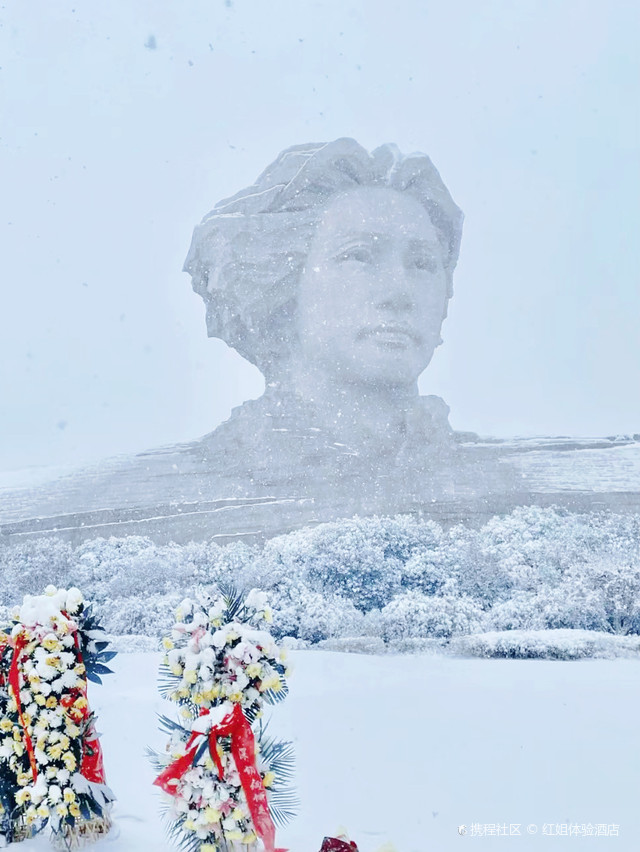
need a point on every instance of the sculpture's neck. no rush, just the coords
(350, 410)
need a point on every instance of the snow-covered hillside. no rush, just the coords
(407, 749)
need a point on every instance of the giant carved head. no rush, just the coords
(335, 254)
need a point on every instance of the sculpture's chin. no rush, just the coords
(392, 362)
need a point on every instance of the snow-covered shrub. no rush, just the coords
(619, 585)
(26, 566)
(425, 572)
(309, 615)
(545, 645)
(413, 614)
(350, 558)
(524, 610)
(534, 569)
(150, 616)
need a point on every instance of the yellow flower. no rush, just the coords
(69, 795)
(235, 696)
(216, 622)
(69, 761)
(22, 796)
(17, 733)
(6, 725)
(253, 670)
(74, 810)
(176, 669)
(268, 615)
(81, 703)
(53, 661)
(51, 643)
(197, 698)
(185, 713)
(269, 778)
(40, 699)
(190, 825)
(167, 643)
(62, 810)
(233, 835)
(18, 749)
(250, 838)
(191, 676)
(79, 669)
(212, 815)
(237, 814)
(42, 811)
(207, 847)
(52, 702)
(55, 751)
(23, 779)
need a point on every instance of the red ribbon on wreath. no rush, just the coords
(243, 751)
(92, 764)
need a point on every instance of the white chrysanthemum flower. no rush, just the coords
(63, 777)
(68, 679)
(54, 718)
(55, 793)
(45, 671)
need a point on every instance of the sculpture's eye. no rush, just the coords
(426, 262)
(359, 254)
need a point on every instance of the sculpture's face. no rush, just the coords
(374, 289)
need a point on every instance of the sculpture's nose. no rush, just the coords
(394, 294)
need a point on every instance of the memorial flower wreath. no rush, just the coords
(226, 780)
(51, 768)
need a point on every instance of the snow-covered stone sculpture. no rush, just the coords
(332, 274)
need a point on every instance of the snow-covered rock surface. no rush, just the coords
(406, 749)
(171, 494)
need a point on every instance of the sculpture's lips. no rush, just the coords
(391, 334)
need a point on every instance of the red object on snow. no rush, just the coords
(333, 844)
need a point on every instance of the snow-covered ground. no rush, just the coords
(404, 749)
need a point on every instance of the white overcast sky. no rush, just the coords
(122, 123)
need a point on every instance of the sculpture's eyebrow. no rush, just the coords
(365, 236)
(430, 246)
(415, 244)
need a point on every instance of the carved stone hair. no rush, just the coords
(247, 254)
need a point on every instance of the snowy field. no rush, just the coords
(404, 749)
